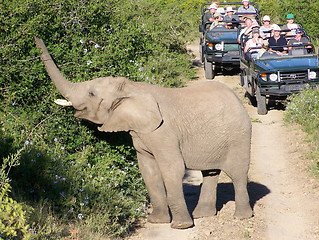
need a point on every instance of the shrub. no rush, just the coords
(303, 109)
(68, 174)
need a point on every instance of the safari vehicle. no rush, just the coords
(274, 77)
(219, 47)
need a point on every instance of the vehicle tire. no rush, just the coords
(209, 71)
(261, 103)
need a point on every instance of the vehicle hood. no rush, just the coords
(287, 63)
(225, 36)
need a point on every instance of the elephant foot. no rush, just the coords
(182, 225)
(204, 212)
(243, 213)
(159, 218)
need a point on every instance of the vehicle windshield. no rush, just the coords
(224, 34)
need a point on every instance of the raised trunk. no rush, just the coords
(62, 84)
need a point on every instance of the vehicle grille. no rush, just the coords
(293, 76)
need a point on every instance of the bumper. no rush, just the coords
(226, 59)
(287, 89)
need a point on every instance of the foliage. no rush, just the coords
(68, 175)
(303, 109)
(12, 217)
(304, 10)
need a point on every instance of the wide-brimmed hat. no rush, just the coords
(230, 9)
(255, 25)
(275, 27)
(212, 6)
(266, 18)
(290, 16)
(255, 31)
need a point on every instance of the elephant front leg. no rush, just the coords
(206, 205)
(155, 187)
(173, 175)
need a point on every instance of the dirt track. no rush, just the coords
(284, 195)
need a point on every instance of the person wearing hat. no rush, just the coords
(209, 15)
(265, 29)
(246, 8)
(291, 25)
(229, 18)
(255, 41)
(299, 40)
(277, 41)
(217, 22)
(247, 31)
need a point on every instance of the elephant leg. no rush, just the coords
(173, 173)
(239, 178)
(243, 208)
(155, 187)
(206, 205)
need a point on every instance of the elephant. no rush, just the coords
(203, 126)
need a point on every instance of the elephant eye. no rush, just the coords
(91, 94)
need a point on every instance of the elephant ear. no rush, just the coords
(139, 113)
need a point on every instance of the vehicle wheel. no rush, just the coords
(261, 103)
(209, 72)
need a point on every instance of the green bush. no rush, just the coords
(67, 173)
(12, 217)
(303, 109)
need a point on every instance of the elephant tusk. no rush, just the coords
(63, 102)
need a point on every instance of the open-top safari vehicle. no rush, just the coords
(219, 47)
(274, 77)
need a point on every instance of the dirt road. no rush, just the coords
(284, 195)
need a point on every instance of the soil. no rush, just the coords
(283, 192)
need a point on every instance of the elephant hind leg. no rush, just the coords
(243, 208)
(206, 205)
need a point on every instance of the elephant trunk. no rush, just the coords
(62, 84)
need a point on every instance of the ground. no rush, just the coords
(283, 192)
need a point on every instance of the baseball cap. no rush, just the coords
(245, 0)
(299, 31)
(266, 18)
(213, 6)
(255, 31)
(290, 16)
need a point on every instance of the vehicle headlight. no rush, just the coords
(219, 47)
(273, 77)
(312, 75)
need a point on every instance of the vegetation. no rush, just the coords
(59, 177)
(303, 109)
(68, 178)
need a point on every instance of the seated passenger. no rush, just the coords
(277, 41)
(255, 41)
(208, 16)
(246, 8)
(291, 25)
(230, 17)
(265, 29)
(217, 22)
(244, 31)
(299, 40)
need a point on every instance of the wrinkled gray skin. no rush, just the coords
(202, 127)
